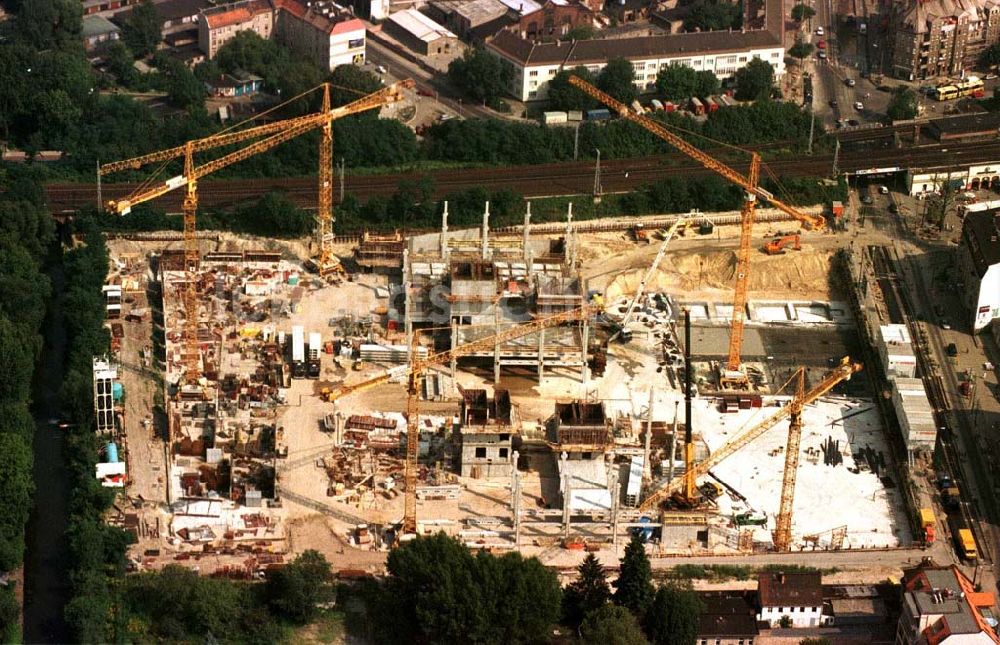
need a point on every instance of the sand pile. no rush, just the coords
(797, 273)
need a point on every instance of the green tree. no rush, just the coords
(294, 590)
(564, 96)
(672, 618)
(634, 587)
(581, 32)
(15, 495)
(350, 82)
(617, 80)
(802, 12)
(611, 625)
(184, 90)
(10, 612)
(754, 80)
(482, 76)
(713, 15)
(520, 598)
(437, 576)
(120, 60)
(46, 24)
(141, 29)
(990, 57)
(903, 104)
(590, 591)
(676, 82)
(801, 49)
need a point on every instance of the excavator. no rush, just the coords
(778, 245)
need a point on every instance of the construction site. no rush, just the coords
(548, 390)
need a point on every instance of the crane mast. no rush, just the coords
(414, 377)
(783, 525)
(276, 133)
(732, 376)
(842, 372)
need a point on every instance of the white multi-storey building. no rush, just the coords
(795, 597)
(722, 53)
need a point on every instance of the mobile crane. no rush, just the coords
(793, 411)
(414, 375)
(732, 375)
(276, 133)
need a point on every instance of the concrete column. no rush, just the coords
(515, 502)
(585, 337)
(454, 343)
(527, 233)
(496, 345)
(647, 468)
(444, 232)
(615, 489)
(407, 318)
(569, 231)
(673, 442)
(567, 490)
(486, 231)
(541, 359)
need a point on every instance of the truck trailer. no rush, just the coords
(315, 349)
(298, 352)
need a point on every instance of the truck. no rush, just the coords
(928, 524)
(315, 349)
(951, 498)
(965, 544)
(298, 352)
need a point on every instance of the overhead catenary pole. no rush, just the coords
(597, 178)
(836, 158)
(486, 231)
(100, 201)
(812, 128)
(526, 233)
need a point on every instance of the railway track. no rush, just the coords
(533, 181)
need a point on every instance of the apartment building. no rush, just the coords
(934, 38)
(325, 33)
(219, 24)
(979, 266)
(722, 53)
(942, 607)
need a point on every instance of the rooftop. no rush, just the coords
(946, 592)
(967, 124)
(236, 13)
(981, 231)
(790, 589)
(420, 25)
(325, 17)
(479, 11)
(726, 614)
(97, 25)
(582, 52)
(174, 9)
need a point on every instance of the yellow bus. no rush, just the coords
(972, 86)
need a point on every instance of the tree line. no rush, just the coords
(25, 233)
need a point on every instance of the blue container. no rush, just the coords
(117, 391)
(599, 114)
(112, 453)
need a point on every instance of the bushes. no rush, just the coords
(25, 232)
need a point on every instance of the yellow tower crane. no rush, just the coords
(275, 133)
(733, 376)
(414, 375)
(793, 411)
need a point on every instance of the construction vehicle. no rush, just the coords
(792, 410)
(650, 272)
(274, 134)
(965, 544)
(778, 245)
(750, 518)
(732, 375)
(414, 375)
(928, 523)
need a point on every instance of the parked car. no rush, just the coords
(821, 44)
(819, 31)
(853, 123)
(833, 103)
(381, 69)
(952, 350)
(424, 92)
(859, 106)
(850, 82)
(821, 55)
(867, 199)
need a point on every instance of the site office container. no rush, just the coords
(697, 106)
